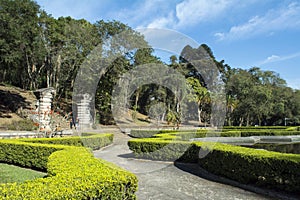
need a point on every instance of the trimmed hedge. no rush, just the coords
(245, 165)
(143, 133)
(254, 127)
(248, 133)
(73, 173)
(95, 141)
(26, 155)
(186, 135)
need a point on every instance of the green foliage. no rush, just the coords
(247, 133)
(26, 155)
(159, 149)
(245, 165)
(253, 127)
(250, 166)
(143, 133)
(73, 173)
(95, 141)
(293, 128)
(22, 125)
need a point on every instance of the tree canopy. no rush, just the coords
(37, 50)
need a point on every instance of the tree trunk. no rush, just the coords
(57, 73)
(163, 116)
(241, 121)
(199, 114)
(48, 78)
(229, 121)
(137, 96)
(248, 120)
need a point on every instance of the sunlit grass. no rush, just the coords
(11, 173)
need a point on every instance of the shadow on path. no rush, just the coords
(196, 170)
(163, 180)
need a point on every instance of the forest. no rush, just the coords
(38, 51)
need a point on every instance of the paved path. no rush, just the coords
(164, 181)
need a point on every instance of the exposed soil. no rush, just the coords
(14, 102)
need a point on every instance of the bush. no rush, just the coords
(254, 127)
(22, 125)
(73, 173)
(143, 133)
(297, 128)
(245, 165)
(96, 141)
(269, 133)
(26, 155)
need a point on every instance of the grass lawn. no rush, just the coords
(11, 173)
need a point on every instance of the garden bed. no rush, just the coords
(73, 172)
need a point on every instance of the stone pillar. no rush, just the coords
(44, 104)
(84, 112)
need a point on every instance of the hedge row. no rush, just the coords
(26, 155)
(254, 127)
(245, 165)
(95, 141)
(187, 135)
(248, 133)
(73, 173)
(183, 134)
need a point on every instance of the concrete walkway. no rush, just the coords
(164, 180)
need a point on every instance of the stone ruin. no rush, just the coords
(43, 107)
(83, 111)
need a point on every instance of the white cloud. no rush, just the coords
(272, 58)
(280, 19)
(142, 13)
(276, 58)
(190, 12)
(163, 22)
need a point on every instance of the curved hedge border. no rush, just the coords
(186, 135)
(94, 141)
(249, 166)
(73, 173)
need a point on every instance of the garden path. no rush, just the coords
(166, 180)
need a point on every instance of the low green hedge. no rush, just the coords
(143, 133)
(73, 173)
(265, 133)
(186, 135)
(245, 165)
(26, 155)
(254, 127)
(95, 141)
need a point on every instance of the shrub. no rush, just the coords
(245, 165)
(143, 133)
(96, 141)
(269, 133)
(76, 177)
(22, 125)
(73, 173)
(26, 155)
(254, 127)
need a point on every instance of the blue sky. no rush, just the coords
(243, 33)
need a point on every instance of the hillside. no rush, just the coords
(17, 104)
(14, 103)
